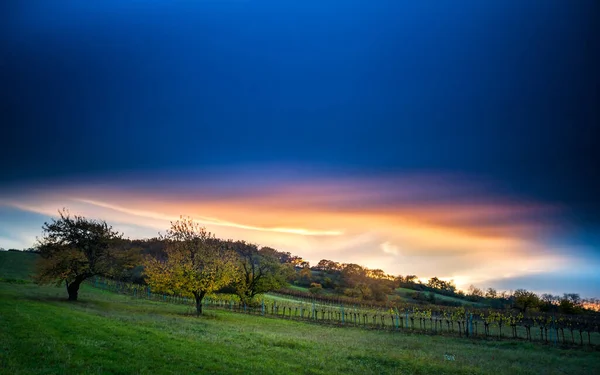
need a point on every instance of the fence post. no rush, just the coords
(553, 326)
(472, 325)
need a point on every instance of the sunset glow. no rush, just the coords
(407, 230)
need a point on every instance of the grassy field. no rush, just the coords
(17, 265)
(323, 292)
(406, 293)
(106, 333)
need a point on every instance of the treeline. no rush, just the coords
(189, 261)
(157, 247)
(364, 284)
(30, 250)
(348, 280)
(527, 301)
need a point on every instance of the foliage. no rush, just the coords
(195, 263)
(436, 283)
(74, 248)
(525, 300)
(315, 288)
(570, 303)
(259, 271)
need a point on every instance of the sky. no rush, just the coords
(454, 139)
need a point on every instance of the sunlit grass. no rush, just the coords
(109, 333)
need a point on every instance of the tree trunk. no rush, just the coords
(73, 289)
(199, 296)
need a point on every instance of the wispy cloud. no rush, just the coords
(211, 220)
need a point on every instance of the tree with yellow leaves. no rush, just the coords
(195, 263)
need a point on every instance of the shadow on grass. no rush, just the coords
(64, 301)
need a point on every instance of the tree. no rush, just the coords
(328, 266)
(74, 248)
(435, 283)
(380, 290)
(549, 299)
(282, 257)
(305, 276)
(475, 291)
(491, 293)
(410, 279)
(195, 263)
(524, 300)
(353, 274)
(570, 303)
(379, 274)
(259, 271)
(315, 288)
(573, 297)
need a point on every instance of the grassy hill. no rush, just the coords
(17, 265)
(406, 294)
(106, 333)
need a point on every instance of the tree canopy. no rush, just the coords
(259, 271)
(524, 300)
(73, 248)
(195, 263)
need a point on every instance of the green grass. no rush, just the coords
(403, 293)
(298, 288)
(406, 293)
(113, 334)
(17, 265)
(305, 289)
(106, 333)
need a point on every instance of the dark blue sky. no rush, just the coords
(507, 91)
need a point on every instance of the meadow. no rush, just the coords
(109, 333)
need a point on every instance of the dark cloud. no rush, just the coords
(503, 90)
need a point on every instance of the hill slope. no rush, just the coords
(17, 265)
(41, 333)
